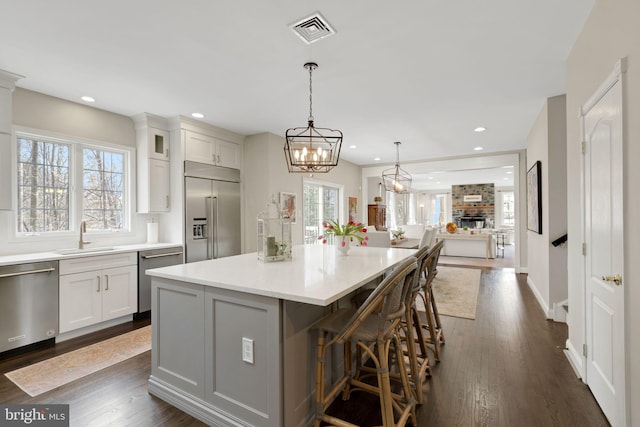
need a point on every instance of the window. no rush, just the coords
(321, 202)
(103, 193)
(508, 205)
(61, 182)
(43, 186)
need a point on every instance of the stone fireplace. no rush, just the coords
(473, 205)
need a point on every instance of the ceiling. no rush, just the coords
(423, 72)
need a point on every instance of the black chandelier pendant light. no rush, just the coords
(396, 179)
(311, 149)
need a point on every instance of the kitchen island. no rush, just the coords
(231, 343)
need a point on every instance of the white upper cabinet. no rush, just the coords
(153, 164)
(228, 154)
(157, 144)
(206, 149)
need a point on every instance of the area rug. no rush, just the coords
(51, 373)
(455, 291)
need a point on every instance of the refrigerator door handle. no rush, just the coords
(209, 233)
(212, 227)
(215, 230)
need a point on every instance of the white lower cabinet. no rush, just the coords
(90, 293)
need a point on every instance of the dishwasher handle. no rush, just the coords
(161, 255)
(23, 273)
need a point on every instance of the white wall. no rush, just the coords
(266, 173)
(547, 264)
(610, 33)
(57, 116)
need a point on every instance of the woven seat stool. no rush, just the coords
(412, 332)
(432, 335)
(374, 329)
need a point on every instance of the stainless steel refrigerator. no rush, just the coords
(212, 211)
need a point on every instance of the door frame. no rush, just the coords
(617, 75)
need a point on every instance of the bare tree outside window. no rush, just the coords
(43, 186)
(103, 176)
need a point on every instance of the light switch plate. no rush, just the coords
(247, 350)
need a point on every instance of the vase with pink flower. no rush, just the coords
(344, 235)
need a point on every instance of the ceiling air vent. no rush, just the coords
(312, 28)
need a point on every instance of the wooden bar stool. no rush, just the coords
(374, 328)
(430, 318)
(419, 364)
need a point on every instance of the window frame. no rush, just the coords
(77, 144)
(340, 208)
(502, 210)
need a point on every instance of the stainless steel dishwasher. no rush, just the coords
(28, 303)
(154, 258)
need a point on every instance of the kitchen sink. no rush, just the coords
(72, 251)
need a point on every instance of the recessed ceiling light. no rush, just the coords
(509, 172)
(507, 167)
(88, 99)
(430, 177)
(480, 129)
(377, 159)
(478, 148)
(506, 179)
(197, 115)
(353, 146)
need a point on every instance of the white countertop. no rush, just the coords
(316, 274)
(52, 256)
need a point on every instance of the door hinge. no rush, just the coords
(585, 351)
(584, 249)
(583, 147)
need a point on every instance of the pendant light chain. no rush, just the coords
(311, 67)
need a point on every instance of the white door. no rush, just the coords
(604, 263)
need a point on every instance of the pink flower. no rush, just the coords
(364, 243)
(364, 230)
(366, 237)
(343, 243)
(324, 241)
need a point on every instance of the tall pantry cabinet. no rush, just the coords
(154, 177)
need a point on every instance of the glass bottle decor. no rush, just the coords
(274, 235)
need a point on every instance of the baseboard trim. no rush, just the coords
(575, 359)
(539, 298)
(191, 405)
(93, 328)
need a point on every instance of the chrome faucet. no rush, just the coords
(83, 229)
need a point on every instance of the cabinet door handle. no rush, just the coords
(98, 290)
(106, 279)
(167, 155)
(167, 202)
(218, 158)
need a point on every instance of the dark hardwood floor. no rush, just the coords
(502, 369)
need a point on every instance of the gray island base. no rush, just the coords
(231, 343)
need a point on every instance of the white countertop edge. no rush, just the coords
(295, 295)
(265, 292)
(26, 258)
